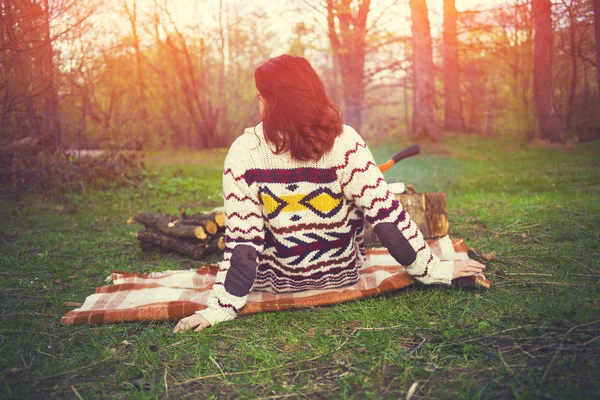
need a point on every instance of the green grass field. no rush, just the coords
(535, 334)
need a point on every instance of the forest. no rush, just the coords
(115, 121)
(166, 74)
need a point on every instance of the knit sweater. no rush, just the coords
(297, 225)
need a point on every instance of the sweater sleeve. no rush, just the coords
(363, 183)
(244, 237)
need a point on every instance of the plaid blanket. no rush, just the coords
(171, 295)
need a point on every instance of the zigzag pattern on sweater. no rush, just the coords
(241, 199)
(243, 217)
(269, 278)
(356, 170)
(357, 145)
(295, 270)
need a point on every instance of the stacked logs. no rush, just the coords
(195, 236)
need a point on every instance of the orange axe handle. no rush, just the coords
(409, 152)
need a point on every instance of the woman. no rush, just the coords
(297, 189)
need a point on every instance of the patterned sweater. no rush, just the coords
(297, 225)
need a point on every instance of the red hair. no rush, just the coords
(298, 115)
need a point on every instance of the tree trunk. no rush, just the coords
(597, 34)
(141, 81)
(353, 102)
(150, 239)
(548, 124)
(173, 226)
(425, 125)
(48, 68)
(349, 48)
(453, 120)
(572, 45)
(406, 112)
(428, 212)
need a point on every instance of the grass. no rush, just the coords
(535, 211)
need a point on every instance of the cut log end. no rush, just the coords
(211, 227)
(200, 233)
(216, 245)
(220, 219)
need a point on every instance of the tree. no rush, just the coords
(570, 8)
(597, 35)
(549, 126)
(425, 123)
(131, 12)
(453, 119)
(30, 59)
(348, 45)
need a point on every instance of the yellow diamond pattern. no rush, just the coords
(323, 202)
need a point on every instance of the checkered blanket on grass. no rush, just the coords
(171, 295)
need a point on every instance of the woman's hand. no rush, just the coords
(193, 321)
(464, 268)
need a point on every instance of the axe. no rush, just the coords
(409, 152)
(398, 187)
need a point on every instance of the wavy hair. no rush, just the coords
(298, 115)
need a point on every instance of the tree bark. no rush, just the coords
(548, 124)
(453, 119)
(172, 226)
(572, 46)
(149, 239)
(52, 106)
(425, 125)
(216, 218)
(349, 50)
(597, 35)
(428, 212)
(406, 112)
(141, 81)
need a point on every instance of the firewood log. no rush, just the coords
(216, 245)
(149, 239)
(209, 226)
(206, 220)
(170, 225)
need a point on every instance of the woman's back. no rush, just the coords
(311, 231)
